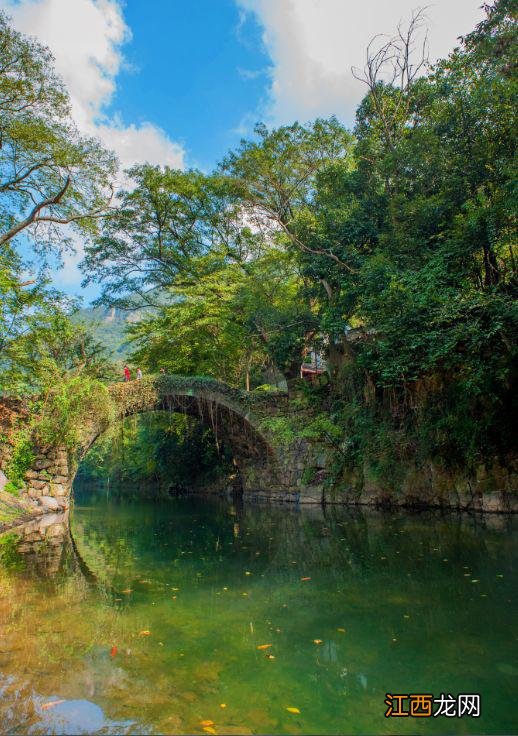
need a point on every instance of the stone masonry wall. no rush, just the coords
(49, 480)
(491, 489)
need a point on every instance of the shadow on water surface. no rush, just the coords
(146, 617)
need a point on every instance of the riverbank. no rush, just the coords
(495, 503)
(492, 490)
(409, 497)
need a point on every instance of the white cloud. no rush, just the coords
(145, 142)
(86, 39)
(314, 43)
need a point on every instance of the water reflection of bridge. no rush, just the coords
(45, 548)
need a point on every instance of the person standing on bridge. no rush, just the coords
(139, 374)
(127, 374)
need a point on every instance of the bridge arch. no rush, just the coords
(236, 417)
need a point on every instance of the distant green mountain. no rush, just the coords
(109, 324)
(109, 327)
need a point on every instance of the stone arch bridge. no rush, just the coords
(266, 468)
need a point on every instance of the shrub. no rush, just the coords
(22, 456)
(70, 406)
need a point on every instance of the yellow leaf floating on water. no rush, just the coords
(207, 723)
(270, 656)
(209, 729)
(293, 710)
(222, 705)
(317, 641)
(264, 646)
(52, 703)
(128, 590)
(341, 630)
(145, 632)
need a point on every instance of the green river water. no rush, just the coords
(148, 618)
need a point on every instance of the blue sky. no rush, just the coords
(197, 69)
(179, 82)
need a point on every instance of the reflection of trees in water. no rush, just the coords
(44, 549)
(334, 538)
(104, 551)
(375, 546)
(108, 547)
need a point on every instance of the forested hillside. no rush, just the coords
(109, 325)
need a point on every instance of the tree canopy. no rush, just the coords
(403, 228)
(50, 175)
(55, 184)
(400, 232)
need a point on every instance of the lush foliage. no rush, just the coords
(389, 249)
(50, 175)
(183, 453)
(54, 185)
(68, 407)
(21, 458)
(404, 231)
